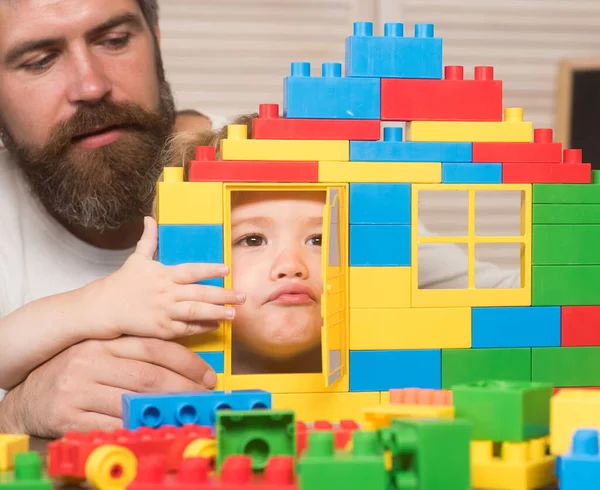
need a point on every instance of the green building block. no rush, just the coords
(565, 285)
(321, 468)
(566, 214)
(504, 411)
(565, 245)
(568, 193)
(566, 366)
(27, 475)
(256, 433)
(428, 454)
(469, 365)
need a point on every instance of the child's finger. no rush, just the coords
(191, 273)
(148, 242)
(194, 328)
(209, 294)
(198, 312)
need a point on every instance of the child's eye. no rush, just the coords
(251, 241)
(315, 240)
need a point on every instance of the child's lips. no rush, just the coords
(292, 294)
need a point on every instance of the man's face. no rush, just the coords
(84, 106)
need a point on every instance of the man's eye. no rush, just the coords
(117, 42)
(39, 65)
(316, 240)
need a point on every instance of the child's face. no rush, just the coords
(276, 261)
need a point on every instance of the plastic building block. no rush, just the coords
(382, 416)
(571, 409)
(196, 474)
(311, 407)
(570, 171)
(342, 433)
(379, 245)
(393, 55)
(376, 370)
(249, 171)
(519, 466)
(566, 214)
(428, 454)
(542, 150)
(320, 468)
(504, 411)
(155, 410)
(260, 434)
(179, 244)
(186, 203)
(565, 285)
(409, 328)
(11, 444)
(330, 96)
(580, 326)
(469, 173)
(420, 396)
(461, 366)
(393, 149)
(205, 342)
(379, 204)
(512, 129)
(379, 287)
(566, 366)
(237, 146)
(568, 193)
(214, 359)
(28, 474)
(565, 245)
(268, 125)
(580, 467)
(393, 172)
(517, 326)
(450, 99)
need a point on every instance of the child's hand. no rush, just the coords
(148, 299)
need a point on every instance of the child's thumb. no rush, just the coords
(148, 243)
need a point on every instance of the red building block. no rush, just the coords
(556, 390)
(269, 126)
(420, 396)
(572, 171)
(580, 326)
(450, 99)
(342, 434)
(206, 169)
(542, 150)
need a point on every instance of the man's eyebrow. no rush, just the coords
(127, 18)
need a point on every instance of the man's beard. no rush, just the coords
(106, 187)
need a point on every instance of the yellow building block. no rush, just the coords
(188, 203)
(382, 416)
(333, 407)
(512, 129)
(385, 397)
(237, 146)
(380, 287)
(284, 383)
(11, 444)
(520, 466)
(205, 342)
(416, 173)
(572, 409)
(409, 328)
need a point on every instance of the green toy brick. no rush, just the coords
(566, 366)
(568, 193)
(469, 365)
(428, 454)
(565, 245)
(257, 433)
(566, 214)
(565, 285)
(321, 468)
(504, 411)
(27, 475)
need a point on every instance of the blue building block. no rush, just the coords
(471, 173)
(177, 409)
(579, 469)
(516, 326)
(393, 55)
(179, 244)
(379, 245)
(381, 370)
(215, 360)
(379, 204)
(393, 149)
(330, 96)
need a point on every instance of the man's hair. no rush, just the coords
(150, 10)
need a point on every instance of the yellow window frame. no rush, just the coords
(472, 296)
(334, 303)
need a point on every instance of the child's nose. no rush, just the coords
(290, 265)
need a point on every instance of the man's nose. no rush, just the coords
(88, 80)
